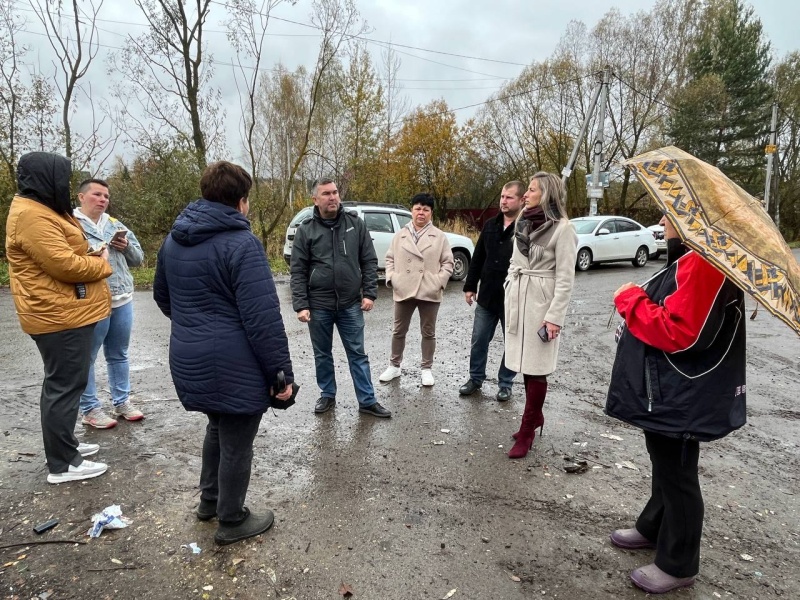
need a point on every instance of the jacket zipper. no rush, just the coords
(333, 270)
(649, 385)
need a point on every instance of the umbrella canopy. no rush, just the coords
(726, 225)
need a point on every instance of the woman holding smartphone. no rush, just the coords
(538, 289)
(114, 333)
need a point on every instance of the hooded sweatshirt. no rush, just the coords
(227, 341)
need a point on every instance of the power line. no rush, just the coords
(513, 95)
(366, 39)
(487, 76)
(644, 95)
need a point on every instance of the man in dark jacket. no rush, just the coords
(334, 281)
(489, 266)
(227, 342)
(679, 374)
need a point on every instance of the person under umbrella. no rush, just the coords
(679, 374)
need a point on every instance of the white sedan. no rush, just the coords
(611, 239)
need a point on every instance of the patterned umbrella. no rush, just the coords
(726, 225)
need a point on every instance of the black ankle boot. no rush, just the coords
(252, 525)
(207, 510)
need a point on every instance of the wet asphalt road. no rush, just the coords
(399, 508)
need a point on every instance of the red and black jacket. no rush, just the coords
(680, 364)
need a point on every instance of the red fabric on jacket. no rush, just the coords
(676, 325)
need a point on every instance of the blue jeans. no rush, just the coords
(483, 328)
(114, 335)
(350, 324)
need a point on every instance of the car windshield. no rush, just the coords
(302, 215)
(585, 226)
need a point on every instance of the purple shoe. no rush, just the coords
(630, 539)
(653, 580)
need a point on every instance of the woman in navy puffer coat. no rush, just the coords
(228, 340)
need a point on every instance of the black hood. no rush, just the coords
(44, 177)
(203, 220)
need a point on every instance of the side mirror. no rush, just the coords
(603, 231)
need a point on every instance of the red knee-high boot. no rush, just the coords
(535, 393)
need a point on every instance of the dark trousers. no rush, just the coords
(66, 358)
(673, 517)
(227, 458)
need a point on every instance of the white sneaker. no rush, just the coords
(86, 470)
(88, 449)
(391, 373)
(427, 377)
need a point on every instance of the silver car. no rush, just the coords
(383, 221)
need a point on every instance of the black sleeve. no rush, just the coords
(368, 262)
(476, 265)
(299, 268)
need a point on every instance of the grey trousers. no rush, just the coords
(66, 356)
(403, 311)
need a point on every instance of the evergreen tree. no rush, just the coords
(723, 112)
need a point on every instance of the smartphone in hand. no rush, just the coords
(96, 251)
(543, 335)
(119, 235)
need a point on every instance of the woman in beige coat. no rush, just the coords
(538, 288)
(418, 266)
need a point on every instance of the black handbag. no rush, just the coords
(278, 387)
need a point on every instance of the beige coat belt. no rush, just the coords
(518, 291)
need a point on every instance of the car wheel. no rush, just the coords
(584, 260)
(461, 266)
(640, 259)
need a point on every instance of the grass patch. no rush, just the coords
(3, 272)
(794, 244)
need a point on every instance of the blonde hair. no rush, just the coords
(554, 195)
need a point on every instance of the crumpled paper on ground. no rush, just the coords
(110, 518)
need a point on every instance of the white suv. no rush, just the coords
(383, 221)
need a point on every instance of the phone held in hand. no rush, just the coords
(96, 250)
(543, 335)
(119, 235)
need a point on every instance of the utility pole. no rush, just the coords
(770, 152)
(567, 171)
(289, 171)
(596, 188)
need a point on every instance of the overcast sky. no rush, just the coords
(511, 31)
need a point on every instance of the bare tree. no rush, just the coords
(339, 21)
(167, 72)
(246, 31)
(74, 39)
(12, 92)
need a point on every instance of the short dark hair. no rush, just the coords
(226, 183)
(87, 182)
(423, 198)
(319, 182)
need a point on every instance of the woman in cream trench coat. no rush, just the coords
(418, 266)
(537, 293)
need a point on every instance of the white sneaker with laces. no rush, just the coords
(427, 377)
(86, 470)
(391, 373)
